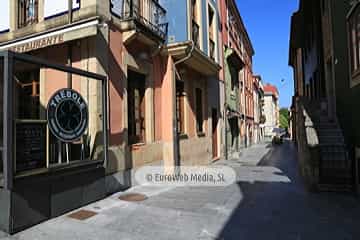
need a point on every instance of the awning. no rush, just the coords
(52, 37)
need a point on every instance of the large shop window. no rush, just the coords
(180, 107)
(72, 134)
(199, 110)
(28, 12)
(136, 107)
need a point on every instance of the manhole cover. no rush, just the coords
(133, 197)
(82, 214)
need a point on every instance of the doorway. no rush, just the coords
(214, 133)
(136, 107)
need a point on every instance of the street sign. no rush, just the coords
(67, 114)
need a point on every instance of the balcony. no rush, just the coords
(148, 13)
(27, 12)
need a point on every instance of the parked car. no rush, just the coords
(278, 137)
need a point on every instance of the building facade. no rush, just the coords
(271, 110)
(323, 115)
(237, 71)
(163, 89)
(259, 130)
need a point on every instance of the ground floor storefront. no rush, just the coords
(155, 102)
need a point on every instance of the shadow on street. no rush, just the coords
(285, 210)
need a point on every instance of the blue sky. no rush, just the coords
(268, 25)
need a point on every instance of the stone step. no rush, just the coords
(335, 187)
(329, 140)
(333, 149)
(326, 125)
(330, 132)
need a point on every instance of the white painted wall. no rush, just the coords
(270, 111)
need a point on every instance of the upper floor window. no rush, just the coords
(234, 77)
(324, 6)
(354, 40)
(194, 9)
(212, 49)
(199, 110)
(211, 22)
(28, 12)
(194, 23)
(195, 33)
(212, 32)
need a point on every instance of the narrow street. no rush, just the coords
(273, 209)
(268, 202)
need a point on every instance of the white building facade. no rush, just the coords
(271, 109)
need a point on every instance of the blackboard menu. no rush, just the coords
(30, 145)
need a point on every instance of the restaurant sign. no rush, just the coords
(39, 43)
(67, 115)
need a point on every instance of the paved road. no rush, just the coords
(285, 210)
(268, 202)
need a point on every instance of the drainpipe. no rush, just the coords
(69, 85)
(245, 107)
(69, 58)
(225, 130)
(175, 132)
(225, 108)
(70, 17)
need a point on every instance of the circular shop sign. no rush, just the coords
(67, 115)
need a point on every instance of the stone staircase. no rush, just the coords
(335, 172)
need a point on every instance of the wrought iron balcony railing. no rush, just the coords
(27, 12)
(148, 12)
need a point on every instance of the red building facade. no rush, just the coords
(238, 55)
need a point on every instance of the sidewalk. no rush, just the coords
(168, 213)
(249, 156)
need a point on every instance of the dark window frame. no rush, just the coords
(28, 12)
(354, 42)
(195, 27)
(136, 108)
(212, 49)
(195, 33)
(199, 111)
